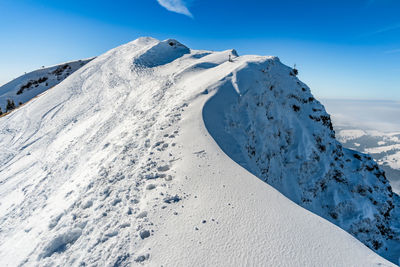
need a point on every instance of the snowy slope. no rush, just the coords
(27, 86)
(116, 166)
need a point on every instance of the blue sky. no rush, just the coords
(343, 49)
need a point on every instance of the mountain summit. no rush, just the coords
(153, 153)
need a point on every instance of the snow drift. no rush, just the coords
(115, 166)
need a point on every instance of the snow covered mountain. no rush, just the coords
(28, 86)
(123, 164)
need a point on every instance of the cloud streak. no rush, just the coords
(394, 51)
(387, 29)
(177, 6)
(380, 31)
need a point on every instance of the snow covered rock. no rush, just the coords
(384, 148)
(115, 166)
(269, 122)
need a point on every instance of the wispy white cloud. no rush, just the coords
(394, 51)
(178, 6)
(388, 29)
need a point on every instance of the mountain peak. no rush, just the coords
(153, 151)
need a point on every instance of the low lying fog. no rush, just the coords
(378, 115)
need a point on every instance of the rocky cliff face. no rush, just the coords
(273, 126)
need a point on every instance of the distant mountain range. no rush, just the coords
(29, 85)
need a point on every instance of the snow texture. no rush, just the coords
(123, 164)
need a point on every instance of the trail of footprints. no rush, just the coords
(123, 200)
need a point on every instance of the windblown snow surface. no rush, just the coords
(28, 86)
(154, 154)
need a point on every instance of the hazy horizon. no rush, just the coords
(380, 115)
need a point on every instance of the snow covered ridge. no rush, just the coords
(269, 122)
(115, 167)
(28, 86)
